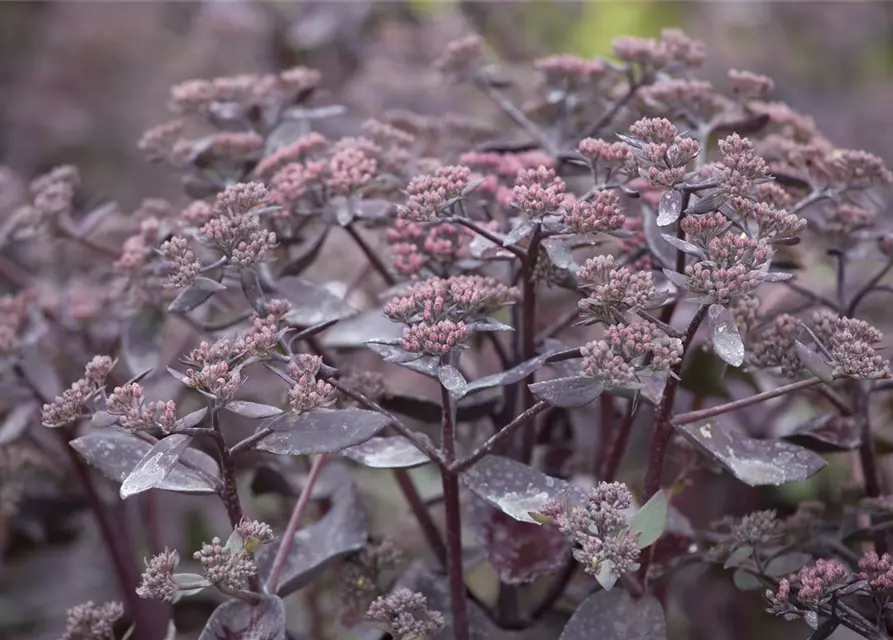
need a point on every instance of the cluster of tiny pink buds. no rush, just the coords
(856, 169)
(461, 57)
(603, 154)
(406, 615)
(601, 214)
(387, 135)
(137, 248)
(294, 180)
(236, 230)
(878, 571)
(626, 351)
(808, 589)
(750, 85)
(225, 567)
(733, 268)
(52, 195)
(683, 49)
(197, 213)
(843, 222)
(741, 167)
(773, 346)
(350, 170)
(680, 93)
(415, 244)
(158, 578)
(458, 298)
(133, 413)
(852, 345)
(232, 146)
(569, 72)
(702, 229)
(184, 267)
(298, 151)
(757, 528)
(241, 198)
(435, 339)
(613, 291)
(254, 533)
(308, 393)
(643, 51)
(654, 130)
(660, 154)
(538, 192)
(216, 379)
(772, 224)
(158, 142)
(89, 621)
(506, 165)
(430, 194)
(71, 405)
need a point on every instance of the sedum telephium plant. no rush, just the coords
(569, 273)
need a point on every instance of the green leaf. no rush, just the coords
(787, 563)
(651, 520)
(738, 556)
(746, 581)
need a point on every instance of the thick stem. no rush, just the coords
(868, 456)
(453, 512)
(663, 428)
(528, 335)
(288, 537)
(618, 447)
(712, 412)
(666, 313)
(230, 491)
(373, 258)
(866, 289)
(420, 511)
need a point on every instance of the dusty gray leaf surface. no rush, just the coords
(391, 452)
(156, 465)
(614, 615)
(239, 619)
(320, 431)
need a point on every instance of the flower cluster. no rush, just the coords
(157, 581)
(236, 230)
(878, 571)
(538, 192)
(659, 152)
(89, 621)
(607, 549)
(612, 291)
(741, 168)
(72, 404)
(406, 615)
(416, 245)
(673, 49)
(302, 149)
(750, 85)
(808, 589)
(431, 195)
(773, 346)
(362, 573)
(308, 393)
(753, 530)
(568, 72)
(733, 266)
(601, 214)
(246, 90)
(13, 315)
(133, 413)
(851, 344)
(184, 267)
(627, 352)
(461, 57)
(456, 298)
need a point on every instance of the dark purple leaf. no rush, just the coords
(115, 453)
(470, 409)
(315, 113)
(676, 278)
(17, 421)
(141, 340)
(572, 392)
(517, 233)
(393, 452)
(252, 289)
(311, 303)
(790, 180)
(357, 330)
(708, 203)
(489, 325)
(297, 266)
(559, 252)
(320, 431)
(189, 299)
(827, 433)
(787, 564)
(509, 376)
(93, 218)
(754, 462)
(483, 248)
(669, 208)
(452, 380)
(209, 284)
(191, 419)
(654, 239)
(252, 409)
(236, 618)
(426, 365)
(724, 336)
(744, 127)
(40, 373)
(682, 245)
(374, 209)
(814, 362)
(614, 615)
(155, 466)
(519, 551)
(343, 530)
(515, 488)
(283, 476)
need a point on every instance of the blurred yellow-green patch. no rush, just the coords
(600, 22)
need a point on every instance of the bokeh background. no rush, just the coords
(80, 81)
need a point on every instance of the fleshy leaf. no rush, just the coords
(320, 431)
(683, 245)
(670, 208)
(141, 340)
(240, 619)
(814, 362)
(614, 615)
(724, 335)
(426, 365)
(116, 453)
(559, 252)
(738, 556)
(40, 373)
(252, 409)
(509, 376)
(577, 391)
(788, 563)
(356, 331)
(515, 488)
(520, 231)
(311, 303)
(252, 290)
(341, 531)
(156, 465)
(190, 298)
(754, 462)
(17, 421)
(826, 433)
(650, 521)
(394, 452)
(519, 551)
(746, 581)
(453, 381)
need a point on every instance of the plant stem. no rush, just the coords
(515, 114)
(663, 428)
(618, 447)
(528, 334)
(868, 455)
(712, 412)
(470, 224)
(500, 436)
(866, 289)
(429, 529)
(450, 480)
(607, 427)
(373, 258)
(606, 118)
(666, 313)
(230, 491)
(288, 537)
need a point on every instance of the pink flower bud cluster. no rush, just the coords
(857, 169)
(233, 146)
(406, 615)
(302, 149)
(461, 57)
(733, 268)
(538, 192)
(660, 154)
(741, 166)
(436, 339)
(702, 229)
(197, 213)
(157, 581)
(396, 145)
(843, 221)
(350, 169)
(621, 356)
(602, 214)
(137, 249)
(89, 620)
(417, 244)
(612, 291)
(197, 96)
(569, 72)
(457, 298)
(308, 393)
(217, 379)
(810, 587)
(852, 344)
(506, 165)
(72, 404)
(430, 194)
(158, 142)
(610, 155)
(236, 230)
(750, 85)
(877, 570)
(184, 267)
(773, 346)
(52, 196)
(135, 414)
(673, 48)
(224, 566)
(680, 93)
(295, 180)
